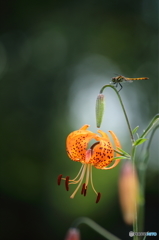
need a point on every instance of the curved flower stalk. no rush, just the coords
(89, 222)
(123, 108)
(100, 155)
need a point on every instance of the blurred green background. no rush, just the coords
(54, 58)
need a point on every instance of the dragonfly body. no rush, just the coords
(119, 79)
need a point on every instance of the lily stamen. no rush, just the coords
(77, 174)
(83, 188)
(87, 174)
(67, 183)
(71, 181)
(92, 181)
(85, 191)
(59, 179)
(82, 176)
(98, 197)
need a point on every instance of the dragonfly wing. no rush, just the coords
(127, 80)
(130, 81)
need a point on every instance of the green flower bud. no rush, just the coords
(99, 109)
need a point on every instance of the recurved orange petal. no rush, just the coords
(77, 142)
(116, 141)
(104, 135)
(117, 144)
(103, 152)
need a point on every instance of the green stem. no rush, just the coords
(142, 174)
(122, 105)
(153, 122)
(135, 223)
(150, 139)
(95, 227)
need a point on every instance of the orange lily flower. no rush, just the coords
(99, 155)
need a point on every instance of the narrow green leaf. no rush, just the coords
(122, 157)
(135, 130)
(139, 141)
(151, 125)
(121, 154)
(125, 153)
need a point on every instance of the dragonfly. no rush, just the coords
(119, 79)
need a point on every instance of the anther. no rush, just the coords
(98, 197)
(59, 179)
(85, 191)
(83, 188)
(66, 183)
